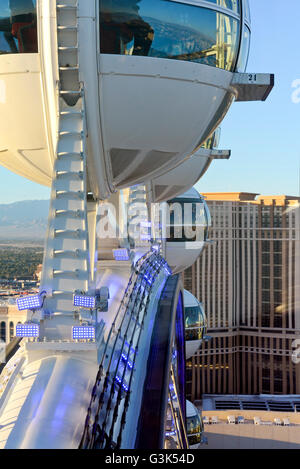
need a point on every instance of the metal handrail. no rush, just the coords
(106, 382)
(142, 312)
(119, 335)
(131, 313)
(111, 332)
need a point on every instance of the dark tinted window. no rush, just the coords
(18, 27)
(3, 331)
(188, 221)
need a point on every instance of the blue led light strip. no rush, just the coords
(121, 254)
(29, 302)
(27, 330)
(127, 361)
(119, 382)
(84, 301)
(83, 332)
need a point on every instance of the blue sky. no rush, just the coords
(263, 137)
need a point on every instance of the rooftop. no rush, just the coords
(252, 197)
(262, 402)
(230, 196)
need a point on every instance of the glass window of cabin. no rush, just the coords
(188, 221)
(208, 222)
(193, 425)
(194, 429)
(208, 144)
(18, 27)
(193, 316)
(216, 138)
(165, 29)
(233, 5)
(194, 323)
(247, 10)
(244, 51)
(194, 439)
(203, 317)
(193, 334)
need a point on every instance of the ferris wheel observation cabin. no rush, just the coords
(158, 77)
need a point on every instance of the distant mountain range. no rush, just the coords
(25, 220)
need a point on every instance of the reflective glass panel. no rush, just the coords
(165, 29)
(18, 27)
(208, 221)
(193, 334)
(217, 136)
(194, 439)
(195, 322)
(187, 221)
(193, 425)
(233, 5)
(193, 316)
(247, 10)
(209, 143)
(244, 52)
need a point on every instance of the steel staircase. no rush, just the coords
(66, 261)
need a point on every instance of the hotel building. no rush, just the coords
(248, 280)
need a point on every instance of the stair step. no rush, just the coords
(78, 174)
(74, 233)
(71, 68)
(66, 154)
(69, 273)
(74, 92)
(138, 201)
(70, 113)
(78, 253)
(67, 28)
(70, 213)
(64, 6)
(67, 133)
(68, 48)
(78, 194)
(64, 293)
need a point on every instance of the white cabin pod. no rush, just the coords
(195, 427)
(166, 69)
(195, 324)
(157, 79)
(185, 223)
(180, 179)
(28, 89)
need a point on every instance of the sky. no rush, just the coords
(263, 137)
